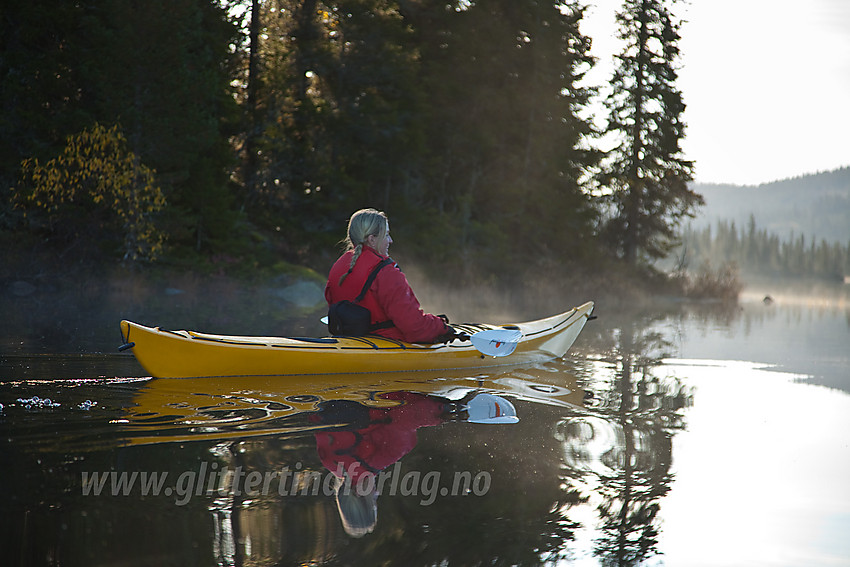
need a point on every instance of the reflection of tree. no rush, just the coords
(624, 452)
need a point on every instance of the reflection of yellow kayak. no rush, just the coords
(179, 354)
(171, 409)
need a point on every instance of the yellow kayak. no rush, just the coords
(184, 354)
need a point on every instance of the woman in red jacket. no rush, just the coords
(395, 311)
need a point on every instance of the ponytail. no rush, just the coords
(357, 251)
(362, 224)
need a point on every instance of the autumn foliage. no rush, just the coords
(97, 174)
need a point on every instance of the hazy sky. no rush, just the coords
(766, 83)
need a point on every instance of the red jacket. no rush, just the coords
(389, 299)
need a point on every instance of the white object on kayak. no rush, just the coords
(496, 342)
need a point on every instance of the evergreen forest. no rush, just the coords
(248, 131)
(758, 252)
(816, 205)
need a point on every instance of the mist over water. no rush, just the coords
(800, 327)
(80, 313)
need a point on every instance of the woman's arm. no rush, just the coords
(398, 301)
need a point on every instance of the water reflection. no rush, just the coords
(319, 498)
(365, 442)
(585, 475)
(360, 448)
(391, 468)
(176, 410)
(618, 455)
(795, 334)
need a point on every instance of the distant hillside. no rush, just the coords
(816, 205)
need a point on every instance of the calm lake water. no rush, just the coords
(686, 435)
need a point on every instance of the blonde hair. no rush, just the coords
(363, 224)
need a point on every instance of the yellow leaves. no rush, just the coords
(329, 19)
(97, 167)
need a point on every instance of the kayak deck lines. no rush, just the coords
(569, 320)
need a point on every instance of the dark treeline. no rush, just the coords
(250, 127)
(759, 252)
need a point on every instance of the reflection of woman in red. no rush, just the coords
(383, 435)
(372, 439)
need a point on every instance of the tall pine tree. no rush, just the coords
(646, 172)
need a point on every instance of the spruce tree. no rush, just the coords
(646, 173)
